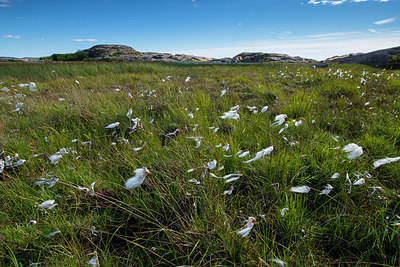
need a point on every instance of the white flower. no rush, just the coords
(48, 204)
(194, 181)
(54, 159)
(53, 233)
(231, 114)
(279, 119)
(129, 113)
(137, 180)
(297, 123)
(93, 262)
(264, 109)
(283, 211)
(261, 154)
(225, 148)
(247, 228)
(328, 188)
(244, 154)
(231, 177)
(32, 87)
(223, 92)
(386, 160)
(279, 262)
(228, 192)
(211, 165)
(359, 182)
(353, 150)
(112, 125)
(335, 176)
(285, 127)
(300, 189)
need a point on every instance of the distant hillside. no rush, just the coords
(248, 57)
(380, 58)
(124, 53)
(127, 53)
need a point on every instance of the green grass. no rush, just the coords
(170, 221)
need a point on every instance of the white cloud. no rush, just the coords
(11, 36)
(84, 40)
(373, 31)
(384, 21)
(339, 2)
(333, 34)
(5, 3)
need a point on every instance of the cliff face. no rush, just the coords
(379, 58)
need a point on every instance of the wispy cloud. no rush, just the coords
(339, 2)
(11, 36)
(194, 3)
(5, 3)
(333, 34)
(373, 31)
(84, 40)
(384, 21)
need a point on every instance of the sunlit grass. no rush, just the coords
(171, 221)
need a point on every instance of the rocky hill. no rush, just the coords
(379, 58)
(248, 57)
(127, 53)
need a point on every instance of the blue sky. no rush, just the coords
(215, 28)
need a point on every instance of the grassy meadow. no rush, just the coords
(178, 217)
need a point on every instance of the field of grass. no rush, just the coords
(178, 217)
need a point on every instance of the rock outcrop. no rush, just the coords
(127, 53)
(379, 58)
(249, 57)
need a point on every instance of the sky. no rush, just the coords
(314, 29)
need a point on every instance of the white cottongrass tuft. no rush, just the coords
(32, 87)
(211, 165)
(279, 120)
(93, 262)
(129, 113)
(283, 211)
(247, 228)
(261, 154)
(300, 189)
(228, 192)
(264, 109)
(244, 154)
(359, 182)
(231, 177)
(380, 162)
(137, 180)
(223, 92)
(335, 176)
(278, 261)
(353, 150)
(231, 114)
(53, 233)
(48, 204)
(112, 125)
(328, 188)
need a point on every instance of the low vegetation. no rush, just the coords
(176, 217)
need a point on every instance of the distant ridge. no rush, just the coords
(379, 58)
(127, 53)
